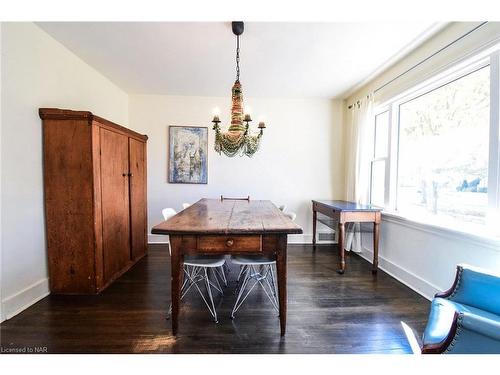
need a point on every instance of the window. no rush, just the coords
(379, 161)
(436, 158)
(443, 150)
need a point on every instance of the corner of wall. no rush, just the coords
(23, 299)
(57, 77)
(1, 254)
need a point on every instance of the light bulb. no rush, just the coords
(216, 111)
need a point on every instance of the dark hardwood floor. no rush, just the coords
(327, 313)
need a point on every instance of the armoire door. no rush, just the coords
(115, 202)
(138, 217)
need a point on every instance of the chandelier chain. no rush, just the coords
(237, 58)
(237, 140)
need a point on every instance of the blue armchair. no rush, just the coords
(466, 318)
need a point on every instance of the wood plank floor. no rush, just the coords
(327, 313)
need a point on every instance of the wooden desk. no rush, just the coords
(346, 212)
(213, 226)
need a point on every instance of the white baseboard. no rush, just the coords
(292, 238)
(300, 238)
(157, 238)
(23, 299)
(412, 281)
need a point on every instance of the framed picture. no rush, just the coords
(188, 156)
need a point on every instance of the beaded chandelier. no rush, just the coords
(237, 140)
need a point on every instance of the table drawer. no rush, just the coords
(215, 243)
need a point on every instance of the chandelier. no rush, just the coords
(237, 140)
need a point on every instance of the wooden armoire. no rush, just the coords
(95, 199)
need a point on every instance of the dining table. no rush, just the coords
(228, 226)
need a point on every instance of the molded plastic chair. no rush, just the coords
(168, 213)
(466, 318)
(197, 269)
(256, 270)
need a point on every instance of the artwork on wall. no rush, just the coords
(188, 158)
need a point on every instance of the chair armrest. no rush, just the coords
(463, 324)
(475, 287)
(454, 287)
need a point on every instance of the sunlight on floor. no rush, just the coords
(153, 343)
(412, 340)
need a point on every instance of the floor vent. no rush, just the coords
(326, 237)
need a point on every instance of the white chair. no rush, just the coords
(197, 269)
(168, 213)
(185, 205)
(256, 270)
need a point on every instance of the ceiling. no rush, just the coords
(277, 59)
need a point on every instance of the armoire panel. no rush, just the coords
(115, 202)
(137, 160)
(68, 205)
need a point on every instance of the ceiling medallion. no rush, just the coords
(237, 140)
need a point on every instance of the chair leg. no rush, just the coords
(262, 275)
(214, 274)
(242, 283)
(221, 273)
(241, 298)
(209, 290)
(270, 295)
(274, 283)
(169, 312)
(185, 283)
(243, 270)
(193, 278)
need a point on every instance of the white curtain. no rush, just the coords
(359, 152)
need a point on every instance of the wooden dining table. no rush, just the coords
(227, 226)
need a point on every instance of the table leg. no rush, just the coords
(176, 279)
(341, 248)
(281, 273)
(376, 235)
(314, 229)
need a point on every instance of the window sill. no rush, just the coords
(486, 239)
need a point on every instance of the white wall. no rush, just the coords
(1, 58)
(425, 257)
(36, 72)
(422, 256)
(301, 155)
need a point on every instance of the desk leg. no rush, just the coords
(341, 248)
(176, 279)
(281, 273)
(314, 228)
(376, 235)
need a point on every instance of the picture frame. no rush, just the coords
(187, 155)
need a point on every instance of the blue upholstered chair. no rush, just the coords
(466, 318)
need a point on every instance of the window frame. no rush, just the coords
(451, 74)
(385, 159)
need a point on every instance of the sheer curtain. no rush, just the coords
(360, 148)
